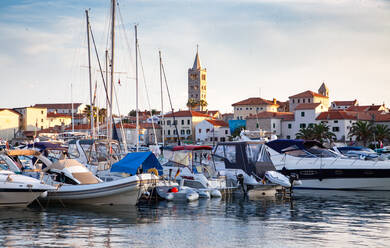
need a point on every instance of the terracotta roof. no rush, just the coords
(254, 101)
(218, 123)
(13, 111)
(57, 105)
(276, 115)
(80, 127)
(364, 108)
(345, 103)
(307, 106)
(209, 112)
(307, 94)
(186, 113)
(382, 117)
(344, 115)
(54, 115)
(141, 126)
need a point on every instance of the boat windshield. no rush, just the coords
(7, 164)
(313, 152)
(226, 151)
(252, 152)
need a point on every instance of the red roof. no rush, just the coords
(254, 101)
(141, 125)
(382, 117)
(307, 106)
(191, 148)
(80, 127)
(57, 105)
(345, 103)
(344, 115)
(209, 112)
(276, 115)
(218, 123)
(364, 108)
(186, 113)
(307, 94)
(54, 115)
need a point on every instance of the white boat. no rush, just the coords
(18, 190)
(319, 168)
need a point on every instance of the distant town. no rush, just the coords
(290, 119)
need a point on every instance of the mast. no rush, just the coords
(107, 111)
(90, 76)
(112, 64)
(136, 86)
(71, 99)
(162, 101)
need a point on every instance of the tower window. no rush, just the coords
(204, 77)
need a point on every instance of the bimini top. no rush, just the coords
(46, 146)
(134, 160)
(284, 145)
(187, 148)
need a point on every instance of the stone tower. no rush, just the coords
(197, 84)
(323, 90)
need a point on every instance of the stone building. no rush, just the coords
(197, 84)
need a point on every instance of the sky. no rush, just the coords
(250, 48)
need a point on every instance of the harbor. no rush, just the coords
(215, 124)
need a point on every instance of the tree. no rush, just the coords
(203, 104)
(192, 103)
(237, 131)
(87, 111)
(102, 114)
(362, 131)
(132, 113)
(382, 132)
(321, 133)
(305, 133)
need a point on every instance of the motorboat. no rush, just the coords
(320, 168)
(18, 190)
(75, 184)
(248, 167)
(356, 152)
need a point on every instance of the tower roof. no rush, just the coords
(196, 62)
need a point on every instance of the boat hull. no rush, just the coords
(18, 197)
(124, 191)
(380, 184)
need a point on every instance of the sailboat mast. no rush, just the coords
(112, 64)
(136, 86)
(162, 101)
(71, 99)
(90, 76)
(107, 111)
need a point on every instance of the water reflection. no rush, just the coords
(311, 218)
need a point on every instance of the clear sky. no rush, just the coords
(271, 48)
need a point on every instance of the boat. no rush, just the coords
(18, 190)
(317, 167)
(246, 165)
(356, 152)
(74, 184)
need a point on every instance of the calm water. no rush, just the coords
(311, 219)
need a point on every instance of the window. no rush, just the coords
(302, 125)
(223, 139)
(42, 112)
(169, 132)
(169, 123)
(293, 100)
(226, 131)
(188, 131)
(188, 122)
(207, 130)
(273, 125)
(200, 130)
(41, 127)
(289, 126)
(303, 100)
(182, 132)
(174, 131)
(41, 120)
(246, 108)
(204, 77)
(257, 125)
(288, 137)
(311, 124)
(211, 138)
(336, 121)
(299, 100)
(250, 108)
(182, 122)
(308, 100)
(175, 122)
(303, 114)
(335, 129)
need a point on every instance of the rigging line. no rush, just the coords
(125, 33)
(170, 102)
(120, 121)
(147, 94)
(100, 67)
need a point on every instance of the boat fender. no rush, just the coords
(153, 171)
(173, 190)
(43, 194)
(216, 193)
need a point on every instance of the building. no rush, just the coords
(212, 131)
(212, 113)
(337, 105)
(252, 106)
(9, 123)
(33, 118)
(197, 84)
(227, 117)
(341, 121)
(310, 97)
(270, 122)
(369, 108)
(62, 108)
(185, 120)
(56, 119)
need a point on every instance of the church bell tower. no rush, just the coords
(197, 85)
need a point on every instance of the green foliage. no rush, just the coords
(102, 113)
(237, 131)
(362, 131)
(319, 132)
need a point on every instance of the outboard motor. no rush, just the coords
(240, 180)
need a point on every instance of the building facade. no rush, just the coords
(62, 108)
(197, 84)
(9, 123)
(252, 106)
(212, 131)
(33, 118)
(310, 97)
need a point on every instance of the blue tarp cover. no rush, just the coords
(132, 161)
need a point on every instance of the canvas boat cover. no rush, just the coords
(284, 145)
(134, 160)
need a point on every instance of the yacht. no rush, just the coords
(320, 168)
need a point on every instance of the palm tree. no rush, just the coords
(362, 130)
(102, 114)
(192, 103)
(321, 133)
(382, 132)
(305, 133)
(203, 104)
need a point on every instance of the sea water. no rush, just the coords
(309, 219)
